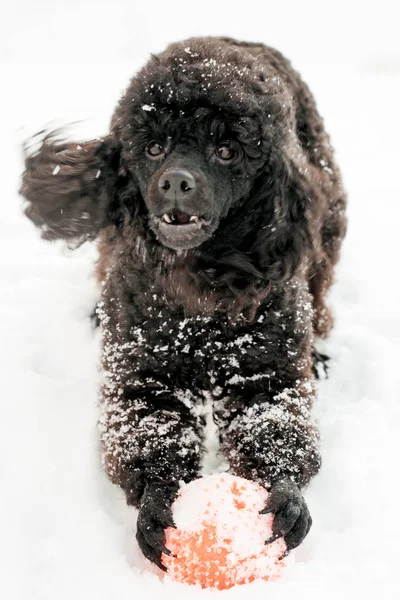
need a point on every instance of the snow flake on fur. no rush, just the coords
(160, 365)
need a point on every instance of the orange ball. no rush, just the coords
(220, 537)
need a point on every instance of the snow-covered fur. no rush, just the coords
(231, 318)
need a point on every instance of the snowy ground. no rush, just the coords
(64, 530)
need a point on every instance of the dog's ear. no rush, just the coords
(284, 239)
(72, 189)
(268, 237)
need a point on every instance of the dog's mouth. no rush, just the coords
(178, 229)
(177, 218)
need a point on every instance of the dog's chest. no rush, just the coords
(147, 342)
(210, 351)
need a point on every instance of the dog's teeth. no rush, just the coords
(194, 219)
(167, 218)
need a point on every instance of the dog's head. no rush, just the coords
(197, 127)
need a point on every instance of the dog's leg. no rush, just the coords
(276, 444)
(151, 424)
(151, 443)
(265, 392)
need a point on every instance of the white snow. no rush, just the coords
(64, 529)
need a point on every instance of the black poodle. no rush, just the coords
(219, 212)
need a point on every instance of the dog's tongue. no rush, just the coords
(181, 217)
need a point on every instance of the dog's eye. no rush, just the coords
(225, 152)
(154, 149)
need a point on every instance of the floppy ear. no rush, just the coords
(269, 236)
(284, 240)
(71, 188)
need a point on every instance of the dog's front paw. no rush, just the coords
(292, 519)
(154, 517)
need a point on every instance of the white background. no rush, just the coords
(64, 530)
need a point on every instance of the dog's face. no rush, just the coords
(191, 170)
(193, 137)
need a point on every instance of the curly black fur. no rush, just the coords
(226, 314)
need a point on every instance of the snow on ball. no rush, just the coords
(220, 537)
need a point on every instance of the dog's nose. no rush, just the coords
(176, 184)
